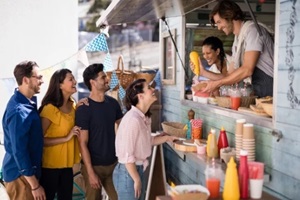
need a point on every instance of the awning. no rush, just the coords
(124, 11)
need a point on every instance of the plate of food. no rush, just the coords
(191, 192)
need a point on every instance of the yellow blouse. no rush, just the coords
(62, 155)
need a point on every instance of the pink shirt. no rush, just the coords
(134, 140)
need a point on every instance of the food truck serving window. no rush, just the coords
(197, 30)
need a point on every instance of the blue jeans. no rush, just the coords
(124, 184)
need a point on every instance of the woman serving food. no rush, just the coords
(213, 52)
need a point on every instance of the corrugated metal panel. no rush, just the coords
(124, 11)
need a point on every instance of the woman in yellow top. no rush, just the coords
(61, 150)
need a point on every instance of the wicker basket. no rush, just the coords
(148, 76)
(224, 102)
(247, 101)
(125, 77)
(174, 128)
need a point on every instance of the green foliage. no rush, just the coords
(95, 10)
(98, 6)
(91, 24)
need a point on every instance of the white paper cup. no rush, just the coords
(195, 98)
(256, 186)
(201, 149)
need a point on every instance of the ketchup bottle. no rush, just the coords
(222, 141)
(243, 175)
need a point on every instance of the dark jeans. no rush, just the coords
(57, 181)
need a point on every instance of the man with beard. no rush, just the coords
(97, 135)
(23, 136)
(252, 54)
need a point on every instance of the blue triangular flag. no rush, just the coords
(97, 44)
(122, 92)
(157, 80)
(108, 66)
(114, 80)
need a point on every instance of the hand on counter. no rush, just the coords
(171, 138)
(164, 138)
(211, 86)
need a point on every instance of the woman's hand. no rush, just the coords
(202, 69)
(172, 138)
(192, 66)
(82, 101)
(137, 188)
(75, 131)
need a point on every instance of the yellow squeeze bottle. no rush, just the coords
(194, 57)
(231, 186)
(208, 143)
(212, 148)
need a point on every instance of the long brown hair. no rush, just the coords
(54, 94)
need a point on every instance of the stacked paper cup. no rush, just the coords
(196, 128)
(248, 143)
(239, 136)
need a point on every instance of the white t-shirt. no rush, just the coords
(254, 42)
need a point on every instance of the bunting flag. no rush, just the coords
(122, 92)
(108, 66)
(97, 44)
(157, 80)
(48, 72)
(114, 81)
(7, 86)
(82, 57)
(71, 64)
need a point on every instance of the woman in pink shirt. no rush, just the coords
(134, 141)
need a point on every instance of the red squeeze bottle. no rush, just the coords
(244, 175)
(222, 141)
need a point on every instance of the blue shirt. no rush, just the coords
(23, 138)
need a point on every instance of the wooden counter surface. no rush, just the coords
(265, 196)
(187, 162)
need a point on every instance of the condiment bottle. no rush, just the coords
(231, 186)
(212, 148)
(189, 130)
(244, 174)
(222, 141)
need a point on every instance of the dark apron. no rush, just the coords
(262, 83)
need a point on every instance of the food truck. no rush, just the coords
(184, 24)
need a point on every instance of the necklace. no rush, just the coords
(294, 101)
